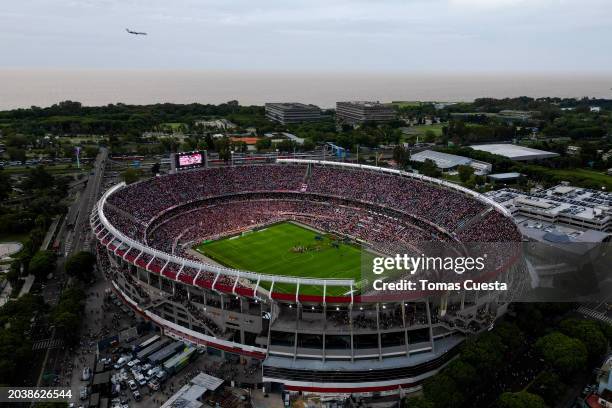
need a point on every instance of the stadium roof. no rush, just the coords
(442, 160)
(505, 176)
(515, 152)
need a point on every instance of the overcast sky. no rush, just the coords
(307, 35)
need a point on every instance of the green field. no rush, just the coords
(272, 251)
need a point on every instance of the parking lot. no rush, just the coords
(105, 315)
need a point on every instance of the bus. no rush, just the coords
(146, 343)
(144, 353)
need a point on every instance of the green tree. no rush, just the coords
(91, 151)
(67, 314)
(42, 264)
(15, 342)
(401, 155)
(417, 402)
(430, 169)
(263, 144)
(522, 399)
(443, 391)
(564, 353)
(465, 172)
(80, 265)
(223, 147)
(16, 154)
(5, 185)
(510, 335)
(547, 385)
(464, 374)
(38, 178)
(483, 353)
(131, 175)
(589, 332)
(429, 136)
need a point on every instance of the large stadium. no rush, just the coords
(265, 262)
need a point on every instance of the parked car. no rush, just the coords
(133, 362)
(121, 362)
(152, 372)
(132, 385)
(140, 379)
(83, 393)
(86, 374)
(136, 395)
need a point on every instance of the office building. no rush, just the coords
(355, 113)
(292, 112)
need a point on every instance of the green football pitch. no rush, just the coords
(290, 250)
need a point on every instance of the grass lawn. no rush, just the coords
(272, 251)
(436, 128)
(586, 176)
(578, 177)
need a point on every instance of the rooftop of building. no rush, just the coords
(189, 395)
(559, 200)
(442, 160)
(366, 104)
(505, 176)
(515, 152)
(292, 105)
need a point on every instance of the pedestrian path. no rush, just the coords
(47, 344)
(595, 315)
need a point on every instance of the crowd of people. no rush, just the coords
(133, 208)
(232, 215)
(392, 214)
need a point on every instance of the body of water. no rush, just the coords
(24, 88)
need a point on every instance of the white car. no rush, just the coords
(152, 372)
(86, 374)
(133, 362)
(140, 379)
(121, 362)
(132, 385)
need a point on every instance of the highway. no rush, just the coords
(72, 239)
(79, 237)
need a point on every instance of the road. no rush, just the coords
(79, 237)
(72, 240)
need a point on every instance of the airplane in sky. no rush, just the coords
(135, 32)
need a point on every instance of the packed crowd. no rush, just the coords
(133, 208)
(228, 216)
(392, 214)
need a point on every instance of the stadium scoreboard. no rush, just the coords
(189, 160)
